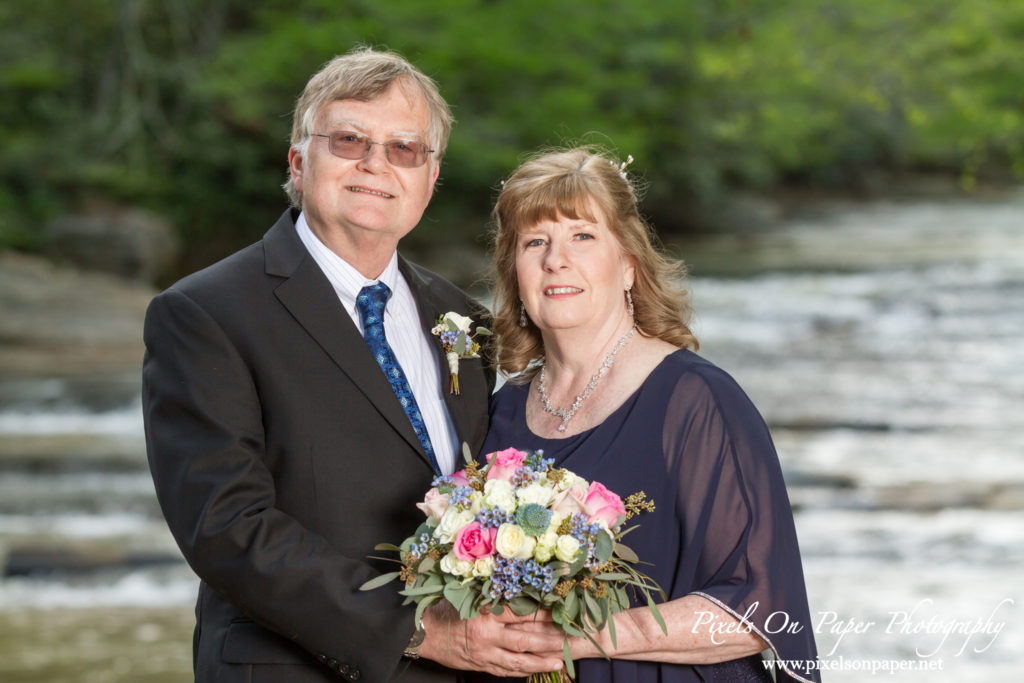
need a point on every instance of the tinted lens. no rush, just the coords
(348, 145)
(406, 153)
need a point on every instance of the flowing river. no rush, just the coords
(882, 341)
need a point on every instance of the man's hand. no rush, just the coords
(491, 643)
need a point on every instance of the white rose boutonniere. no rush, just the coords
(454, 332)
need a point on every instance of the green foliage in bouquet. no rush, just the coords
(520, 534)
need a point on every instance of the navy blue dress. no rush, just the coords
(691, 439)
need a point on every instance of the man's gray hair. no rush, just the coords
(364, 74)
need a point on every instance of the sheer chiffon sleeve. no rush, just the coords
(739, 542)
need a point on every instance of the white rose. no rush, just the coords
(569, 480)
(499, 494)
(526, 549)
(543, 554)
(566, 548)
(537, 493)
(545, 549)
(510, 540)
(455, 566)
(461, 321)
(452, 520)
(476, 502)
(484, 566)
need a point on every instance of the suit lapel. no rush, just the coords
(310, 298)
(468, 409)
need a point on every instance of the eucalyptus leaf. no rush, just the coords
(559, 568)
(610, 620)
(483, 332)
(567, 656)
(593, 610)
(657, 615)
(572, 630)
(457, 594)
(626, 531)
(387, 546)
(626, 553)
(420, 590)
(379, 581)
(424, 604)
(603, 547)
(426, 564)
(577, 564)
(466, 609)
(522, 606)
(572, 605)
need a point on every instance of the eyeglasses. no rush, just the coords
(349, 145)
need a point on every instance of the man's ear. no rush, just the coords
(434, 173)
(295, 162)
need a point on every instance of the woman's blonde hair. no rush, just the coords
(567, 183)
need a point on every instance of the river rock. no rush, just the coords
(128, 242)
(41, 560)
(63, 321)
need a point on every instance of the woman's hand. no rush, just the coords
(699, 632)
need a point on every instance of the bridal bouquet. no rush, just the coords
(518, 533)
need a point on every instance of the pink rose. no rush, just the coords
(459, 478)
(604, 505)
(571, 500)
(434, 504)
(503, 464)
(473, 542)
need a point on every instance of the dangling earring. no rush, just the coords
(629, 301)
(522, 313)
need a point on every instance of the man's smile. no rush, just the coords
(355, 188)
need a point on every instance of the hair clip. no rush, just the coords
(621, 168)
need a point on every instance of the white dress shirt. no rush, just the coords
(406, 336)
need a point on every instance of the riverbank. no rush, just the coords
(96, 645)
(60, 321)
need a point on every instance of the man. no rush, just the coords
(288, 433)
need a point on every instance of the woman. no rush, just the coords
(592, 327)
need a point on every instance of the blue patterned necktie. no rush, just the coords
(371, 302)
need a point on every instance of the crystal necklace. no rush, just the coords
(566, 413)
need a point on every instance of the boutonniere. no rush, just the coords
(453, 331)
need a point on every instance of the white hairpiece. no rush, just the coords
(622, 167)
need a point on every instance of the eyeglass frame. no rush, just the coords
(369, 146)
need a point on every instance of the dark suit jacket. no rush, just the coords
(281, 457)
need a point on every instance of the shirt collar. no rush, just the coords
(346, 280)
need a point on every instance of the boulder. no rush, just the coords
(62, 321)
(131, 243)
